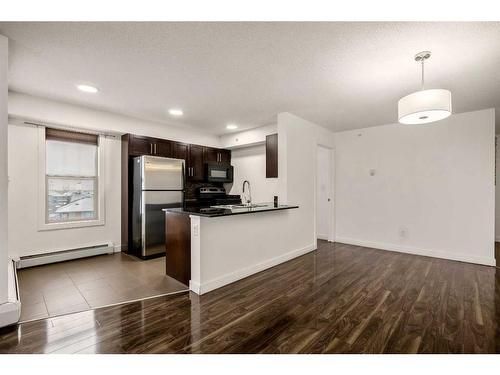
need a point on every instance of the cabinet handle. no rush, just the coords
(155, 149)
(192, 171)
(151, 148)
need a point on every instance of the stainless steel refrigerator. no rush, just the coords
(157, 183)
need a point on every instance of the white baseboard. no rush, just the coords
(247, 271)
(418, 251)
(194, 287)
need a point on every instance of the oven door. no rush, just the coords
(215, 172)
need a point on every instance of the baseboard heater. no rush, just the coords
(61, 256)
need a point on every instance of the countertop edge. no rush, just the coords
(282, 208)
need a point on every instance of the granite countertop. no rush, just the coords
(217, 211)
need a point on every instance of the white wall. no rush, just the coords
(297, 143)
(3, 167)
(432, 192)
(250, 164)
(247, 137)
(24, 237)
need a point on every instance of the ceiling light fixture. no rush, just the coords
(424, 106)
(175, 112)
(87, 88)
(231, 127)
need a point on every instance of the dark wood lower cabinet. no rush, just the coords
(178, 246)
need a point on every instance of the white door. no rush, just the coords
(324, 200)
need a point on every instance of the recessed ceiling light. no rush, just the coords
(175, 112)
(87, 88)
(232, 126)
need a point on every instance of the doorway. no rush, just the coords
(324, 193)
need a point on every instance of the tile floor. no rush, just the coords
(83, 284)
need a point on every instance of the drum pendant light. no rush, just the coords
(424, 106)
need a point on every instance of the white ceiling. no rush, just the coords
(339, 75)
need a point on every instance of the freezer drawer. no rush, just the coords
(149, 220)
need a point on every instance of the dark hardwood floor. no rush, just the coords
(339, 299)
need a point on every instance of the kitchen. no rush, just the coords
(96, 281)
(188, 180)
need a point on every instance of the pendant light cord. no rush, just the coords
(422, 62)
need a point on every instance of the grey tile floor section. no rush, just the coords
(83, 284)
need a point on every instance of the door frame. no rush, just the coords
(331, 228)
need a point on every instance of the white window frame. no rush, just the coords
(42, 189)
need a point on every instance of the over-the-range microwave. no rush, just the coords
(217, 172)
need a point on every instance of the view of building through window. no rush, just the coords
(70, 199)
(71, 170)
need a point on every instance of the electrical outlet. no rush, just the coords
(196, 230)
(403, 233)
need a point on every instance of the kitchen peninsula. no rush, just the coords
(208, 248)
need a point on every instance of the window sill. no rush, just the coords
(70, 225)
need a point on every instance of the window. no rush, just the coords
(71, 178)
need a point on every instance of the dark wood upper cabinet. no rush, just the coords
(195, 163)
(163, 148)
(139, 145)
(210, 155)
(272, 156)
(225, 156)
(181, 151)
(216, 155)
(193, 156)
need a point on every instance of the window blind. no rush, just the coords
(70, 136)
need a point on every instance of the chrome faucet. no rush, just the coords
(249, 198)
